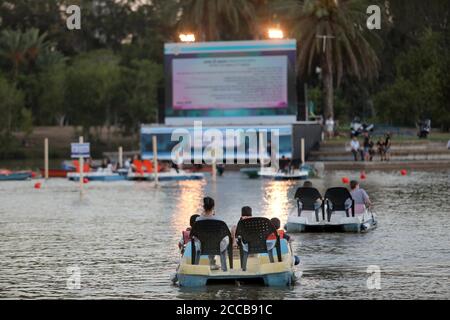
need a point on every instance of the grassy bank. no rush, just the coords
(60, 138)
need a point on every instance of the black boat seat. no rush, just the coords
(252, 234)
(339, 199)
(210, 234)
(309, 199)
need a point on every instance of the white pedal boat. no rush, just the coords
(336, 212)
(171, 175)
(271, 173)
(274, 266)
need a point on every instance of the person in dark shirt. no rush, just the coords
(387, 146)
(366, 146)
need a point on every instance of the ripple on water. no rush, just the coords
(123, 237)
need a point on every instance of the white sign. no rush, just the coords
(81, 150)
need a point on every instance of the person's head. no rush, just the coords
(354, 138)
(246, 212)
(193, 219)
(208, 205)
(276, 223)
(307, 184)
(354, 184)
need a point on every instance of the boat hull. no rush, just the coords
(280, 176)
(97, 177)
(348, 227)
(273, 274)
(166, 176)
(16, 176)
(56, 173)
(281, 279)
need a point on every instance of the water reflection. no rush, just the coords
(188, 201)
(277, 202)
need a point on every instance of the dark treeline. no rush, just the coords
(109, 73)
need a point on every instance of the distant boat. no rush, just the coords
(57, 173)
(15, 176)
(171, 175)
(97, 176)
(271, 173)
(278, 175)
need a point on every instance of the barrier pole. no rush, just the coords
(81, 162)
(214, 165)
(46, 158)
(155, 158)
(261, 149)
(120, 157)
(302, 146)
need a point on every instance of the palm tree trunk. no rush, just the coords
(328, 92)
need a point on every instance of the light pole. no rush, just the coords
(275, 33)
(187, 37)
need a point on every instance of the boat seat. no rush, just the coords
(210, 233)
(252, 234)
(339, 199)
(309, 199)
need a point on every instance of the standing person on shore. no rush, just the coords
(366, 145)
(380, 146)
(356, 149)
(329, 127)
(387, 146)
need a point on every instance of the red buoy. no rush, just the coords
(363, 175)
(37, 185)
(345, 180)
(33, 174)
(85, 180)
(403, 172)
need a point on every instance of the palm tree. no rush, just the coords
(332, 34)
(22, 48)
(211, 19)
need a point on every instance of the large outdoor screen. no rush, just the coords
(239, 78)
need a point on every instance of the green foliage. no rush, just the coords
(91, 88)
(419, 85)
(11, 106)
(218, 19)
(139, 88)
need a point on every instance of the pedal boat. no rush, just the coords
(270, 173)
(96, 176)
(171, 175)
(6, 175)
(258, 265)
(334, 213)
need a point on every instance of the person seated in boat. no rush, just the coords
(246, 212)
(106, 165)
(209, 214)
(186, 234)
(360, 196)
(307, 184)
(283, 235)
(285, 165)
(136, 165)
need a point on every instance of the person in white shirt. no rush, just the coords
(356, 148)
(329, 127)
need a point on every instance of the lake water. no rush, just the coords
(123, 238)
